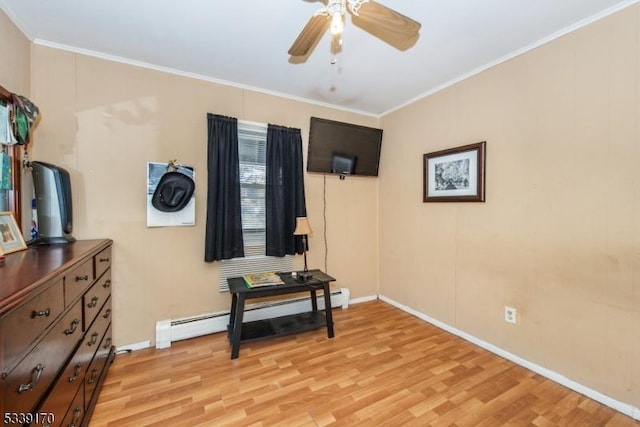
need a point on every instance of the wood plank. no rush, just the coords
(384, 367)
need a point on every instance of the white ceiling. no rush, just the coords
(245, 42)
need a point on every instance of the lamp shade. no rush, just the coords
(302, 226)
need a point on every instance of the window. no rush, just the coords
(252, 155)
(252, 142)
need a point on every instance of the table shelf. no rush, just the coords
(283, 325)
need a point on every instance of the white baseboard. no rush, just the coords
(168, 331)
(133, 347)
(619, 406)
(363, 299)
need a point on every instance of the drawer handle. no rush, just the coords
(42, 313)
(76, 416)
(104, 259)
(107, 284)
(94, 339)
(71, 329)
(93, 302)
(76, 372)
(81, 278)
(92, 378)
(107, 314)
(36, 373)
(107, 344)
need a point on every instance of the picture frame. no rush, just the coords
(11, 239)
(455, 174)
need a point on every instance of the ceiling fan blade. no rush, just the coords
(387, 19)
(310, 34)
(399, 41)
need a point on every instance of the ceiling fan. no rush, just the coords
(381, 21)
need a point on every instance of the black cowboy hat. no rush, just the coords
(173, 192)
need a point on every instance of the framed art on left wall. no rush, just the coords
(11, 239)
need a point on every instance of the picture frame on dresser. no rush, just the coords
(11, 239)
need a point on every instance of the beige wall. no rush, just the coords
(559, 235)
(103, 121)
(15, 76)
(15, 67)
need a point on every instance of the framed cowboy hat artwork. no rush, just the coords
(170, 194)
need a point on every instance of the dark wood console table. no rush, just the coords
(239, 332)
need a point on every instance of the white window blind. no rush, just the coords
(252, 144)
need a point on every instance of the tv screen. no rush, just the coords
(343, 148)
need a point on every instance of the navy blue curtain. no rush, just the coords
(223, 239)
(284, 190)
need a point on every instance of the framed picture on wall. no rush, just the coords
(455, 174)
(11, 239)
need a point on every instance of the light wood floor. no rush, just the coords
(383, 368)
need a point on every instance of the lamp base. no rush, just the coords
(304, 275)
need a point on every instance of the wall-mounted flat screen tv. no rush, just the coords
(343, 148)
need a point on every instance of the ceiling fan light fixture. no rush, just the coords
(355, 5)
(337, 25)
(379, 20)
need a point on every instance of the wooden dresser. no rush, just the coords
(55, 332)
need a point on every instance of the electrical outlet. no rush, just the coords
(510, 314)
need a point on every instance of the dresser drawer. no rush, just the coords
(97, 366)
(78, 368)
(66, 387)
(77, 281)
(22, 326)
(102, 261)
(24, 386)
(94, 335)
(95, 297)
(75, 415)
(57, 404)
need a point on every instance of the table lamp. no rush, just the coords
(303, 229)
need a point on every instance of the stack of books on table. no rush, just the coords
(258, 280)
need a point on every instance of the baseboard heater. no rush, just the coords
(168, 331)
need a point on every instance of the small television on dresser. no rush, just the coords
(343, 148)
(54, 207)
